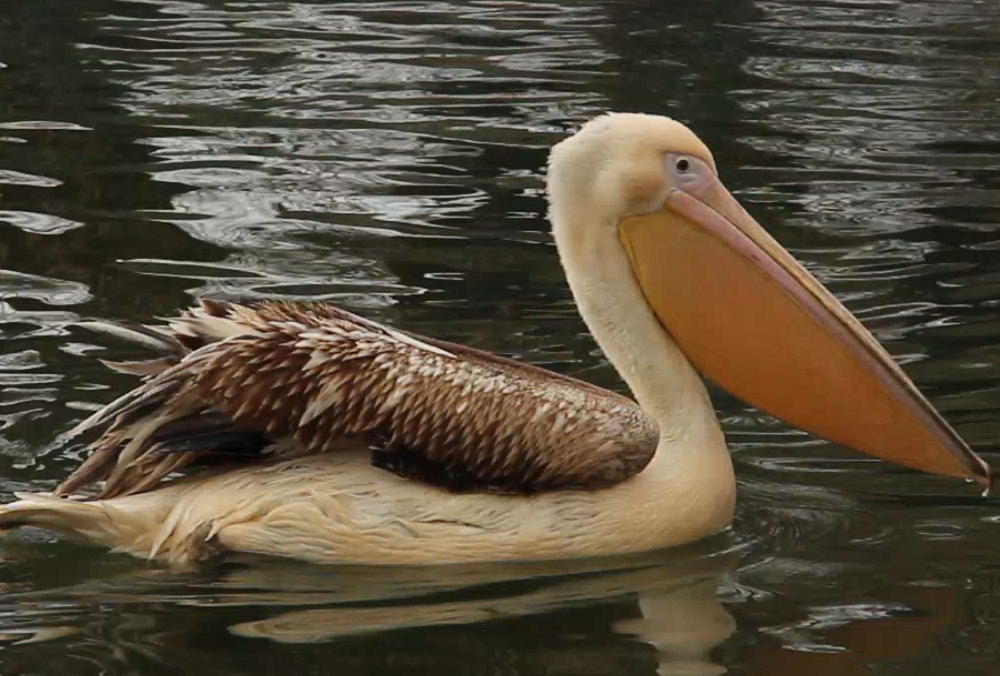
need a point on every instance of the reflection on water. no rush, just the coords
(659, 613)
(389, 156)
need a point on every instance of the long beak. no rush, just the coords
(751, 318)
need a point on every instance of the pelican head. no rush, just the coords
(645, 191)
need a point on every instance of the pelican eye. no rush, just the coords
(683, 164)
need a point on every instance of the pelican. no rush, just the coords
(343, 440)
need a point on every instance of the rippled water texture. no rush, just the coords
(388, 156)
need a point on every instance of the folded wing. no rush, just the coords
(276, 379)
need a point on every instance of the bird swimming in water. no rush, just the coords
(349, 441)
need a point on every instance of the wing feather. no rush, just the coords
(310, 375)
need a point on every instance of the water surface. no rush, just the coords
(389, 156)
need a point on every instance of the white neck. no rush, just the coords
(611, 303)
(692, 464)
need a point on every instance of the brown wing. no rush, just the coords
(294, 379)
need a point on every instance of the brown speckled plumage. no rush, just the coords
(276, 379)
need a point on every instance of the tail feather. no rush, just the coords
(145, 368)
(209, 322)
(128, 408)
(89, 521)
(141, 525)
(172, 419)
(136, 333)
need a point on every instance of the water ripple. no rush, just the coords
(390, 156)
(40, 224)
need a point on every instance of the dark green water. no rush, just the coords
(388, 156)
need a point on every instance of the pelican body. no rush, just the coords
(343, 440)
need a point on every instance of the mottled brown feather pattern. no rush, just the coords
(310, 375)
